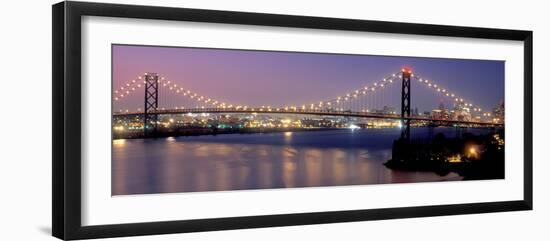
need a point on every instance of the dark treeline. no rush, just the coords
(472, 156)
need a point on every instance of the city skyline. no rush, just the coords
(278, 78)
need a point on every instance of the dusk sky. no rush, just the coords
(284, 78)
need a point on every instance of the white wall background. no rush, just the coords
(25, 163)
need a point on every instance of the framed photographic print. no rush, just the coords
(170, 120)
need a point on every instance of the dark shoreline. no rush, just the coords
(433, 156)
(213, 132)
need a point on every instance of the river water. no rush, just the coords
(259, 161)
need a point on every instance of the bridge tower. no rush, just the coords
(406, 104)
(150, 117)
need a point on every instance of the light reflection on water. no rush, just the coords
(257, 161)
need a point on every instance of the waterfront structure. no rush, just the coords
(208, 112)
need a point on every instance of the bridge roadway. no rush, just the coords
(302, 112)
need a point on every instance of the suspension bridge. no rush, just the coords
(360, 103)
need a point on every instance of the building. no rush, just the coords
(441, 112)
(498, 113)
(461, 112)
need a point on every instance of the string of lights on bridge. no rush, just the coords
(133, 85)
(449, 94)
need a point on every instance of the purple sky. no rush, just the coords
(285, 78)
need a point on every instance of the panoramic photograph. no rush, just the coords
(187, 119)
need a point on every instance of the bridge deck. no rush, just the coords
(302, 112)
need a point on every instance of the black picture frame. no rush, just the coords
(66, 169)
